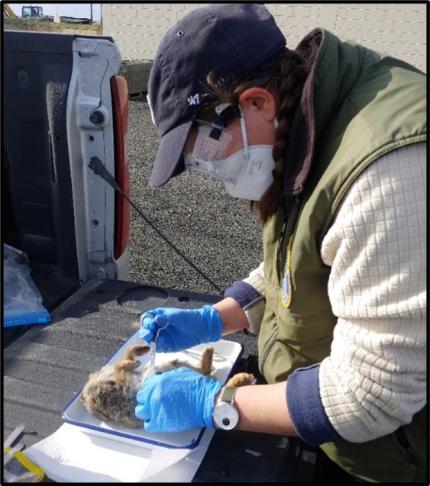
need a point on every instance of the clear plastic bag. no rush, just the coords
(22, 302)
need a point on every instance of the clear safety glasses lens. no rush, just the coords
(210, 149)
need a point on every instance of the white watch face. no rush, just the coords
(225, 416)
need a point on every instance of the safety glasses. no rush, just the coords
(212, 148)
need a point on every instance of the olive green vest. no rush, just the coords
(365, 106)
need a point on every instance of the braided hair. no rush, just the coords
(284, 76)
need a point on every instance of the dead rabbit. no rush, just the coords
(110, 394)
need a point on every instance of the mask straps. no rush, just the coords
(243, 130)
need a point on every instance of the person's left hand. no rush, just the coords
(177, 400)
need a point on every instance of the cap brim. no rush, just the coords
(169, 155)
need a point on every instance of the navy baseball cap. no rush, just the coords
(229, 39)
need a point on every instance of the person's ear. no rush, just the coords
(260, 100)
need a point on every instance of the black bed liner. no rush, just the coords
(48, 364)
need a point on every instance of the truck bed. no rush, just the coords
(44, 367)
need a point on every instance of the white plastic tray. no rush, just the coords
(225, 356)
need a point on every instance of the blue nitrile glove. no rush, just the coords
(177, 400)
(186, 327)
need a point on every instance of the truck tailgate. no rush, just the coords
(48, 364)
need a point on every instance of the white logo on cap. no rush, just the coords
(194, 99)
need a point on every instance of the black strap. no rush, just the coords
(98, 168)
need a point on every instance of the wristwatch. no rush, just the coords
(226, 416)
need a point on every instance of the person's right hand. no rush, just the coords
(185, 327)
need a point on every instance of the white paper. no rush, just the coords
(70, 454)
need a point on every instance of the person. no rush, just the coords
(327, 141)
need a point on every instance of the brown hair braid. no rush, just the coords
(284, 76)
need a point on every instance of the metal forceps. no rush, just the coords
(153, 345)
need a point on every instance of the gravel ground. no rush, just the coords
(217, 232)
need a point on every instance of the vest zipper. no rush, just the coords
(288, 226)
(267, 351)
(403, 441)
(282, 246)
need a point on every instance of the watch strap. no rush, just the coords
(228, 394)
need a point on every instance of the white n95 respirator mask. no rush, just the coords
(247, 173)
(255, 175)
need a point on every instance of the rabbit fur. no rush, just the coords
(110, 393)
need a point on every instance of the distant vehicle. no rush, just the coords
(32, 12)
(75, 20)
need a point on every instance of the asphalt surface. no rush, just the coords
(218, 233)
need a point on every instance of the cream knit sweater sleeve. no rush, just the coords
(254, 311)
(375, 377)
